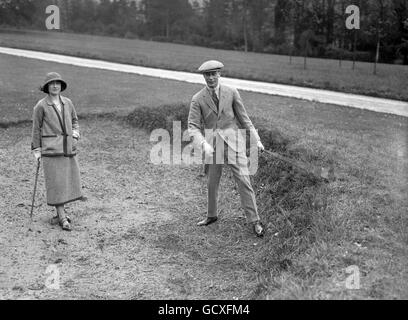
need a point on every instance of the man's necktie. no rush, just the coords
(215, 98)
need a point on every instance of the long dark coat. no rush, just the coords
(53, 133)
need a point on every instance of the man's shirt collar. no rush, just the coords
(216, 89)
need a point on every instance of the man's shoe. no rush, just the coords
(259, 229)
(207, 221)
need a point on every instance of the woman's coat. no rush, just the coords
(53, 133)
(52, 130)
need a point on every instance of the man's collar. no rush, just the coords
(216, 89)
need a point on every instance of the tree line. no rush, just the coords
(313, 28)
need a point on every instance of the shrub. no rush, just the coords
(160, 39)
(130, 35)
(197, 40)
(221, 45)
(113, 30)
(338, 53)
(179, 41)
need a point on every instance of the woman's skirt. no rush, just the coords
(62, 180)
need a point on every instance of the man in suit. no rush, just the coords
(221, 110)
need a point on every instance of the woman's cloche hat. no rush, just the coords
(53, 76)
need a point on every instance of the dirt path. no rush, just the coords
(135, 235)
(323, 96)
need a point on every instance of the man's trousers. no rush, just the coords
(238, 162)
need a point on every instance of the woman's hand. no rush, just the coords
(75, 134)
(37, 154)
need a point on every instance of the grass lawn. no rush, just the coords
(138, 225)
(321, 73)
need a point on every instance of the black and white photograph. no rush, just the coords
(214, 151)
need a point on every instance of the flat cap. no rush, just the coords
(210, 65)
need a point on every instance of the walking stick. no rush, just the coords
(326, 174)
(35, 188)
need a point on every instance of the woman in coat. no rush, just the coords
(55, 136)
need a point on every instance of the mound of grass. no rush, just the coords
(290, 202)
(315, 230)
(271, 138)
(161, 117)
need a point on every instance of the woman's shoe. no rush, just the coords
(64, 223)
(55, 220)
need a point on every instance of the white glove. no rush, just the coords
(37, 154)
(260, 146)
(75, 134)
(207, 148)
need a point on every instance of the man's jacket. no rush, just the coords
(52, 130)
(224, 122)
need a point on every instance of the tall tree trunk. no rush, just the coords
(379, 32)
(330, 21)
(354, 49)
(280, 21)
(168, 24)
(245, 27)
(377, 55)
(343, 33)
(292, 46)
(305, 57)
(405, 55)
(66, 13)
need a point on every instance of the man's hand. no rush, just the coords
(260, 146)
(207, 148)
(37, 154)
